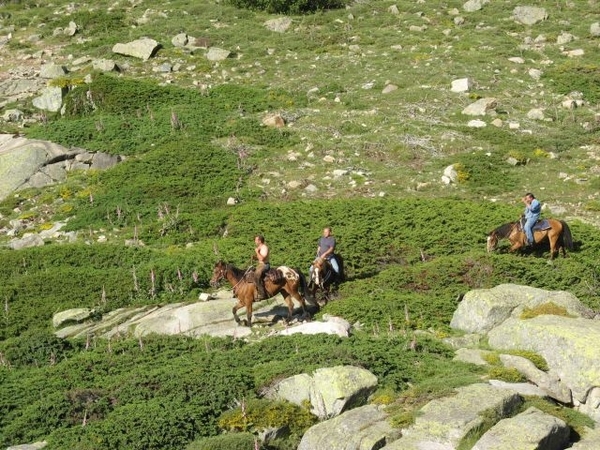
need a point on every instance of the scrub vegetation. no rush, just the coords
(411, 244)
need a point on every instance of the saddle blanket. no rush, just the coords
(542, 225)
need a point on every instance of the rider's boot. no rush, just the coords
(261, 294)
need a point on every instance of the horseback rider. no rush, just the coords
(533, 210)
(261, 254)
(326, 250)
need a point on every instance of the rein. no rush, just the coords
(227, 268)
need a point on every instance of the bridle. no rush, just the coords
(221, 274)
(320, 281)
(492, 241)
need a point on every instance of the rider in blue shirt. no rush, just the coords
(532, 212)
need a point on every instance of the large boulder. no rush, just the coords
(566, 344)
(531, 429)
(483, 309)
(363, 428)
(443, 423)
(26, 163)
(330, 390)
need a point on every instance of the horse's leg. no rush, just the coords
(290, 304)
(295, 293)
(249, 312)
(235, 310)
(552, 241)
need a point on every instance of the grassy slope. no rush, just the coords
(387, 211)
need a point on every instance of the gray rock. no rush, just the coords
(12, 115)
(334, 325)
(103, 161)
(363, 428)
(589, 440)
(480, 107)
(20, 158)
(483, 309)
(52, 70)
(529, 15)
(524, 389)
(180, 40)
(472, 356)
(474, 5)
(31, 240)
(549, 382)
(330, 391)
(105, 65)
(278, 25)
(461, 85)
(70, 315)
(20, 86)
(563, 342)
(50, 100)
(40, 180)
(143, 48)
(532, 429)
(34, 446)
(443, 423)
(217, 54)
(595, 29)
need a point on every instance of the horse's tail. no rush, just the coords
(567, 238)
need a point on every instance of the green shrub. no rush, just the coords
(535, 358)
(256, 415)
(510, 375)
(549, 308)
(492, 358)
(229, 441)
(35, 348)
(288, 6)
(573, 76)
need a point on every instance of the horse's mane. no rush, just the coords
(238, 273)
(504, 230)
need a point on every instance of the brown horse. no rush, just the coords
(323, 277)
(282, 280)
(555, 231)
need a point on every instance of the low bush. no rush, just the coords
(229, 441)
(288, 6)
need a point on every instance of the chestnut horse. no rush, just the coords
(555, 231)
(282, 280)
(323, 277)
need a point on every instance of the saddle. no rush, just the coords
(275, 276)
(540, 225)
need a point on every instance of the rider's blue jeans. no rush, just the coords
(529, 229)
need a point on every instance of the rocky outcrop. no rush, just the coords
(26, 163)
(362, 428)
(481, 310)
(565, 345)
(211, 316)
(339, 396)
(530, 429)
(443, 423)
(573, 375)
(330, 391)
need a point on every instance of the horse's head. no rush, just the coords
(318, 271)
(492, 241)
(219, 272)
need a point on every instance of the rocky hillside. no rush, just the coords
(143, 140)
(401, 99)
